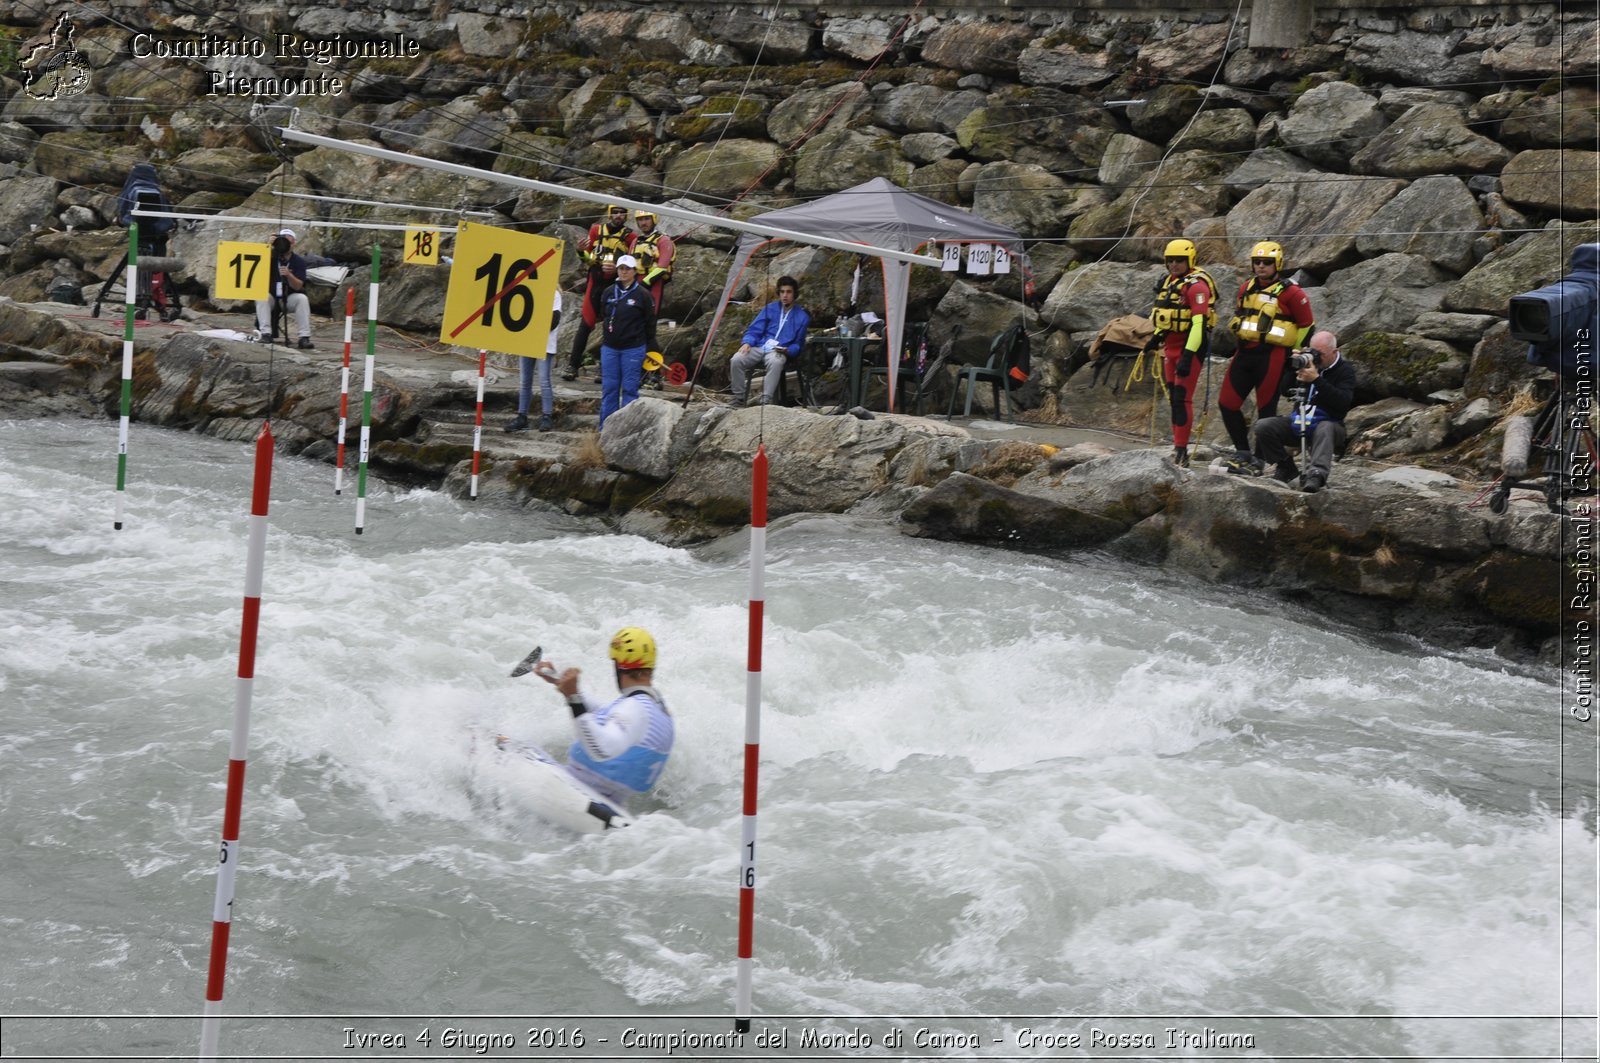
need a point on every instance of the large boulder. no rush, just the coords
(1534, 260)
(1564, 182)
(861, 39)
(978, 47)
(1065, 65)
(1390, 363)
(1261, 166)
(798, 115)
(24, 201)
(1031, 199)
(1435, 217)
(785, 38)
(818, 464)
(1085, 299)
(1430, 138)
(602, 109)
(1193, 55)
(1385, 293)
(1156, 206)
(725, 168)
(1315, 219)
(1566, 119)
(1330, 123)
(848, 157)
(1417, 58)
(1126, 159)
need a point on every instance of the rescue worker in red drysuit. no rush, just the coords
(1182, 315)
(654, 250)
(1273, 317)
(607, 241)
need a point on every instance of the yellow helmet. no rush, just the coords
(1181, 249)
(633, 648)
(612, 208)
(1268, 249)
(645, 214)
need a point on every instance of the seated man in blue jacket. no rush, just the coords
(776, 335)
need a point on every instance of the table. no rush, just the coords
(854, 348)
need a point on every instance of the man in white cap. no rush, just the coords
(629, 323)
(288, 278)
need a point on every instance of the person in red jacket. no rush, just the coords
(1273, 317)
(1182, 314)
(607, 241)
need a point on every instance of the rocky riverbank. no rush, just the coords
(1388, 548)
(1419, 168)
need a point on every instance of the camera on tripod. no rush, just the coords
(1302, 359)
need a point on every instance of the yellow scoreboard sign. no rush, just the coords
(242, 270)
(502, 286)
(422, 246)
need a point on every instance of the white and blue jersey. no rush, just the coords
(622, 747)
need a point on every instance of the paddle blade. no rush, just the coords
(526, 664)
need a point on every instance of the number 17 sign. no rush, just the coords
(502, 284)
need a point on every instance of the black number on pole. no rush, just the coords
(422, 244)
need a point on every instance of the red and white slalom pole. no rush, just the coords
(344, 389)
(752, 743)
(127, 373)
(477, 425)
(366, 397)
(228, 861)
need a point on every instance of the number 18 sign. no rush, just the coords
(502, 285)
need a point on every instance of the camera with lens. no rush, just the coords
(1302, 359)
(1559, 321)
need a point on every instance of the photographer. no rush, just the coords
(288, 277)
(1330, 384)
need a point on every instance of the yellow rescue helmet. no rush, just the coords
(612, 208)
(640, 214)
(1268, 249)
(1181, 248)
(633, 648)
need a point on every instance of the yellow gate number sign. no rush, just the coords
(242, 270)
(502, 285)
(422, 247)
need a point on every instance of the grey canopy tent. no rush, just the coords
(880, 215)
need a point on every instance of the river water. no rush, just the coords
(1011, 807)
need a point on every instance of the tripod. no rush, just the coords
(1564, 437)
(146, 295)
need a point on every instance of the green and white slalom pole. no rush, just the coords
(127, 371)
(366, 396)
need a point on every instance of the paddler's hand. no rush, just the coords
(567, 682)
(546, 671)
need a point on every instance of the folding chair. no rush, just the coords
(1007, 356)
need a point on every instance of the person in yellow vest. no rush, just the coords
(654, 250)
(1183, 312)
(1273, 317)
(607, 241)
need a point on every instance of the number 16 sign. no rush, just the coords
(502, 283)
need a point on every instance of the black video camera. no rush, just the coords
(1304, 358)
(1560, 320)
(280, 248)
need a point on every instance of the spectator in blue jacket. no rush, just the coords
(776, 336)
(628, 317)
